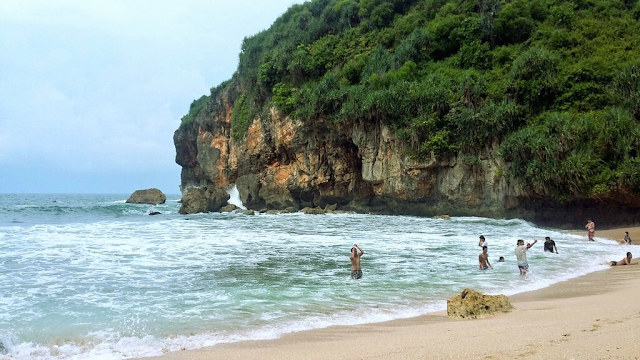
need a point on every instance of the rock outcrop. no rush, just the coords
(357, 166)
(205, 199)
(148, 196)
(228, 208)
(471, 304)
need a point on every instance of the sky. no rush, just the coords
(92, 91)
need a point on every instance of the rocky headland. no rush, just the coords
(283, 163)
(495, 109)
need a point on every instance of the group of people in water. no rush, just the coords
(520, 251)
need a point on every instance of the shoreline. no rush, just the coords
(593, 316)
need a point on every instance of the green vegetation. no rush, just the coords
(556, 83)
(194, 110)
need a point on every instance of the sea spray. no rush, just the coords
(235, 197)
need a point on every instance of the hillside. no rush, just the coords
(548, 90)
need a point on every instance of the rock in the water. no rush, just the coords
(196, 200)
(471, 304)
(272, 212)
(313, 211)
(155, 213)
(148, 196)
(229, 208)
(331, 208)
(249, 212)
(444, 217)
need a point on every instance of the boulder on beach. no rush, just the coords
(471, 304)
(148, 196)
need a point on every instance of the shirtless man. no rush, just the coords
(356, 272)
(625, 261)
(550, 245)
(483, 259)
(591, 228)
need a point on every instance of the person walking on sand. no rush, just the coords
(521, 255)
(625, 261)
(549, 245)
(483, 259)
(356, 271)
(591, 228)
(483, 243)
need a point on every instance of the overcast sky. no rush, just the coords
(92, 91)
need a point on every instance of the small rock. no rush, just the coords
(331, 208)
(155, 213)
(249, 212)
(272, 212)
(228, 208)
(313, 211)
(471, 304)
(443, 217)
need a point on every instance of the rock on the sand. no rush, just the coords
(471, 304)
(148, 196)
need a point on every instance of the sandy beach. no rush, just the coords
(596, 316)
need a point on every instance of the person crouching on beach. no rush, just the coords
(483, 259)
(356, 271)
(591, 229)
(521, 255)
(625, 261)
(627, 239)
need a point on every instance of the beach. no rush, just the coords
(595, 316)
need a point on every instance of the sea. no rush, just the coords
(88, 276)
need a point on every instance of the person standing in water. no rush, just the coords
(482, 242)
(356, 271)
(591, 228)
(483, 259)
(627, 239)
(521, 255)
(549, 245)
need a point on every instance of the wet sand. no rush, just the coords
(596, 316)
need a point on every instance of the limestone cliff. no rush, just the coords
(283, 163)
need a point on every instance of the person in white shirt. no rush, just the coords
(521, 255)
(482, 243)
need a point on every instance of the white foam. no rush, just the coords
(235, 197)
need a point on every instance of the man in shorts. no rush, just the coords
(521, 255)
(356, 271)
(591, 229)
(483, 259)
(625, 261)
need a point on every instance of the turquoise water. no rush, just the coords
(88, 276)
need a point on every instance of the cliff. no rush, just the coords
(478, 108)
(361, 167)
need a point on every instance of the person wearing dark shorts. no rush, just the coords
(356, 271)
